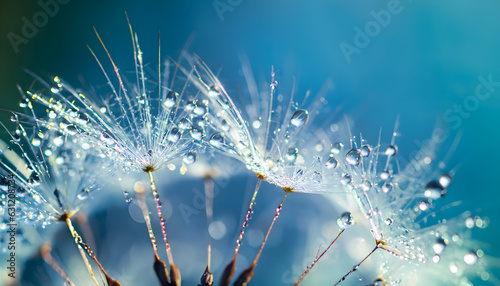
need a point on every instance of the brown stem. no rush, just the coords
(45, 252)
(357, 265)
(317, 259)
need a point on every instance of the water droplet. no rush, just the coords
(34, 180)
(184, 124)
(35, 142)
(84, 193)
(128, 199)
(274, 84)
(439, 246)
(445, 180)
(200, 108)
(386, 187)
(454, 268)
(346, 179)
(47, 152)
(59, 160)
(336, 148)
(170, 100)
(72, 130)
(384, 175)
(471, 258)
(106, 138)
(196, 133)
(299, 118)
(224, 125)
(353, 157)
(434, 190)
(389, 221)
(424, 205)
(291, 155)
(436, 258)
(366, 185)
(174, 135)
(58, 141)
(190, 106)
(217, 140)
(316, 177)
(365, 151)
(190, 158)
(331, 163)
(256, 124)
(213, 91)
(103, 109)
(391, 150)
(346, 220)
(23, 103)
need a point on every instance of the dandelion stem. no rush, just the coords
(231, 268)
(379, 245)
(79, 242)
(247, 274)
(207, 277)
(45, 252)
(317, 259)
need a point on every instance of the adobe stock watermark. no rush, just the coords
(363, 36)
(11, 237)
(223, 6)
(30, 27)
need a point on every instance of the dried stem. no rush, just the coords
(247, 274)
(318, 257)
(379, 245)
(208, 278)
(45, 252)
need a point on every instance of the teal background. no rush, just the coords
(426, 60)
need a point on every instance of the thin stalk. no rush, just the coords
(208, 278)
(357, 265)
(248, 273)
(79, 241)
(230, 269)
(45, 252)
(317, 259)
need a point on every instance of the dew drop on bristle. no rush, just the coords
(353, 157)
(299, 118)
(213, 91)
(72, 130)
(200, 108)
(346, 179)
(274, 84)
(424, 205)
(384, 175)
(366, 185)
(196, 133)
(256, 124)
(190, 158)
(128, 199)
(35, 142)
(84, 193)
(445, 180)
(391, 150)
(291, 155)
(331, 163)
(365, 151)
(174, 135)
(170, 100)
(225, 126)
(336, 148)
(23, 103)
(34, 180)
(346, 220)
(106, 138)
(184, 124)
(389, 221)
(386, 187)
(217, 140)
(471, 258)
(434, 190)
(439, 246)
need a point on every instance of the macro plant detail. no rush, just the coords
(68, 140)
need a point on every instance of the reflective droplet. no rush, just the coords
(72, 130)
(174, 135)
(128, 199)
(365, 151)
(200, 108)
(299, 118)
(59, 160)
(190, 158)
(445, 180)
(23, 103)
(316, 177)
(471, 258)
(366, 185)
(336, 148)
(35, 142)
(331, 163)
(106, 138)
(389, 221)
(170, 100)
(58, 141)
(291, 154)
(424, 205)
(217, 140)
(224, 125)
(353, 157)
(436, 258)
(434, 190)
(386, 187)
(84, 194)
(256, 124)
(196, 133)
(384, 175)
(34, 180)
(391, 150)
(346, 179)
(184, 124)
(346, 220)
(454, 268)
(274, 84)
(439, 246)
(213, 91)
